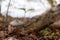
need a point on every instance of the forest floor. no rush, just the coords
(44, 34)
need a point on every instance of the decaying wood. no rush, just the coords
(37, 23)
(40, 22)
(44, 20)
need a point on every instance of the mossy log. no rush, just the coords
(40, 22)
(43, 20)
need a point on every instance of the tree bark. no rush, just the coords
(44, 20)
(6, 17)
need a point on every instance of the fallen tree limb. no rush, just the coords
(41, 22)
(45, 19)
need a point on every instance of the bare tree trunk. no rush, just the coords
(6, 17)
(0, 7)
(24, 19)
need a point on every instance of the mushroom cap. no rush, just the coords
(16, 22)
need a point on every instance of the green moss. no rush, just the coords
(51, 1)
(53, 34)
(44, 32)
(58, 35)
